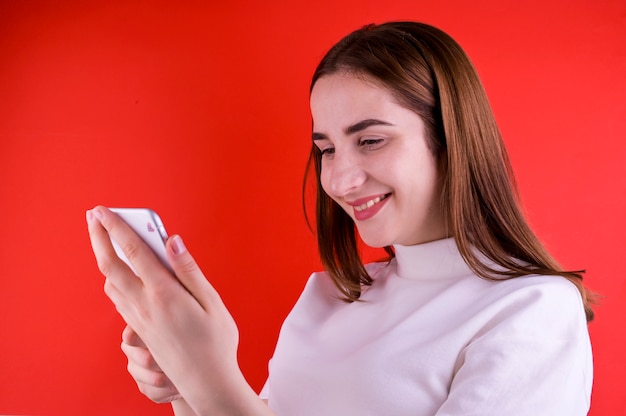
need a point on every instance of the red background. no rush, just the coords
(200, 111)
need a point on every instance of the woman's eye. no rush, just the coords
(327, 151)
(371, 143)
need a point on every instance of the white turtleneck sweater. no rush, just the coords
(430, 338)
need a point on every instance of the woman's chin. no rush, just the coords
(376, 241)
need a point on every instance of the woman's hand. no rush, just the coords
(181, 319)
(150, 379)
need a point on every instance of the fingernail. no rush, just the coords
(89, 215)
(97, 213)
(177, 245)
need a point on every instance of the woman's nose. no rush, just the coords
(344, 175)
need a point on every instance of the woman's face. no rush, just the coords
(376, 163)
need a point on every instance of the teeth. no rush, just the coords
(368, 204)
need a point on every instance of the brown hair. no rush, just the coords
(429, 73)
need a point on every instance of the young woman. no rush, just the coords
(470, 316)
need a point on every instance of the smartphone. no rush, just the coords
(148, 225)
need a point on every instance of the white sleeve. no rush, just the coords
(533, 358)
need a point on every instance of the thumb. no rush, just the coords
(188, 272)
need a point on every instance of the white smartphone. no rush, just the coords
(148, 225)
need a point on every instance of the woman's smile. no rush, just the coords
(365, 208)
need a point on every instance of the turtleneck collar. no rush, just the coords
(433, 260)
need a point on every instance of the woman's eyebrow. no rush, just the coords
(362, 125)
(355, 128)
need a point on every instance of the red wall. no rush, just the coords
(201, 112)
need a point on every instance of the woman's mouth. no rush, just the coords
(370, 203)
(370, 207)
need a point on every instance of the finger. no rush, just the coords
(124, 304)
(141, 358)
(143, 259)
(188, 272)
(154, 384)
(159, 395)
(130, 337)
(136, 313)
(148, 375)
(108, 262)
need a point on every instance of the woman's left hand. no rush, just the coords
(150, 379)
(181, 318)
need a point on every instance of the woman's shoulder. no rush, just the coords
(551, 304)
(538, 288)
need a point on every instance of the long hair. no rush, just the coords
(429, 73)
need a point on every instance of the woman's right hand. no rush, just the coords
(179, 317)
(150, 379)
